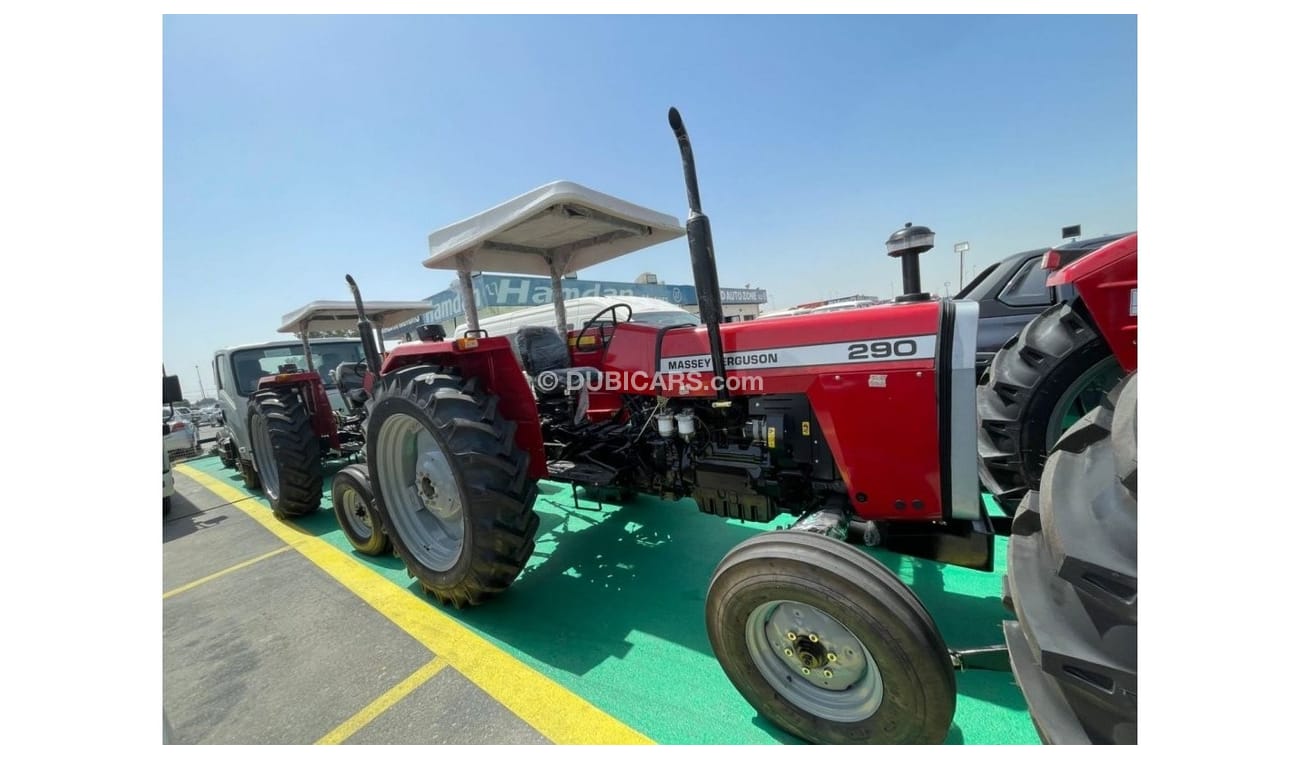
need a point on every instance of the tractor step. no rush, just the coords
(580, 474)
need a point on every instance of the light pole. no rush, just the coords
(960, 249)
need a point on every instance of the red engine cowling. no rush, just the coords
(892, 388)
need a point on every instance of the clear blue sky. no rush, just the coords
(298, 149)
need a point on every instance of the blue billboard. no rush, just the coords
(513, 291)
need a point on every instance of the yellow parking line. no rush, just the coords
(386, 700)
(220, 573)
(557, 713)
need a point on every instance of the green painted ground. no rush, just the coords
(611, 606)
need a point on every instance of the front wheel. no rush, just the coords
(353, 507)
(226, 450)
(828, 644)
(249, 475)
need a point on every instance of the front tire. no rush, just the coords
(246, 471)
(828, 644)
(226, 450)
(286, 452)
(452, 489)
(354, 501)
(1043, 380)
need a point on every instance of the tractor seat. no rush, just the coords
(350, 377)
(543, 353)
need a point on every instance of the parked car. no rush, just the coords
(206, 415)
(1014, 291)
(180, 433)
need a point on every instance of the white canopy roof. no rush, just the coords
(342, 315)
(574, 225)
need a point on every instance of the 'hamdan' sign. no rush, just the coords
(504, 290)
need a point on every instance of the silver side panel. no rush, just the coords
(965, 476)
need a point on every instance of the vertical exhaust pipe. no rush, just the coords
(703, 264)
(366, 330)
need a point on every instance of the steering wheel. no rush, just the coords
(577, 343)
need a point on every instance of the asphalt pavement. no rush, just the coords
(261, 647)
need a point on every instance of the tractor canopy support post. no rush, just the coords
(557, 292)
(467, 291)
(306, 345)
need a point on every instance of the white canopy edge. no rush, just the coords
(342, 315)
(564, 221)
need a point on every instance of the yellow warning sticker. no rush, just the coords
(771, 438)
(807, 428)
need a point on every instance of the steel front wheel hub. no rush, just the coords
(354, 508)
(814, 661)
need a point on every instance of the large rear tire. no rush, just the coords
(828, 644)
(1072, 581)
(1041, 382)
(286, 452)
(452, 489)
(354, 501)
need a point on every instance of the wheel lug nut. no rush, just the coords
(789, 652)
(830, 657)
(791, 636)
(828, 673)
(805, 671)
(812, 637)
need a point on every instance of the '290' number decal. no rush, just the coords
(882, 349)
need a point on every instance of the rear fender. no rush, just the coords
(494, 364)
(313, 394)
(1106, 281)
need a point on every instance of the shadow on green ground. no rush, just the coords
(611, 606)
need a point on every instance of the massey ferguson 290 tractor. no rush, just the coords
(288, 405)
(864, 417)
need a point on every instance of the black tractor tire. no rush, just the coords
(291, 473)
(354, 501)
(167, 505)
(246, 471)
(916, 692)
(486, 474)
(1072, 582)
(1021, 393)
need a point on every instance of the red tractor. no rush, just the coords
(285, 415)
(1059, 367)
(1068, 461)
(863, 418)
